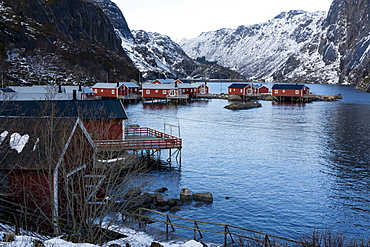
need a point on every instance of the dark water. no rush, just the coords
(288, 169)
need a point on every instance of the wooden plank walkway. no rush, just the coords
(142, 139)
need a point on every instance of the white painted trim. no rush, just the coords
(56, 179)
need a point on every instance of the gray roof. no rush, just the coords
(239, 85)
(45, 92)
(84, 109)
(289, 86)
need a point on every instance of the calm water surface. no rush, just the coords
(288, 169)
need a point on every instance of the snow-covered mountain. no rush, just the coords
(296, 46)
(156, 55)
(268, 50)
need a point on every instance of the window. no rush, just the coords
(147, 91)
(156, 91)
(241, 90)
(276, 91)
(113, 91)
(95, 90)
(101, 90)
(164, 92)
(283, 91)
(296, 91)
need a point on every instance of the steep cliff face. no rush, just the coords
(60, 40)
(349, 22)
(115, 16)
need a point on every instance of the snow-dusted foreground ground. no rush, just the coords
(134, 239)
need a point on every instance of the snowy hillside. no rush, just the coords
(156, 54)
(266, 50)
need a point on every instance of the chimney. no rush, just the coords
(74, 95)
(60, 89)
(79, 88)
(117, 84)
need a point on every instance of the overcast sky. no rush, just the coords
(189, 18)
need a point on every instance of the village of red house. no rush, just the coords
(95, 120)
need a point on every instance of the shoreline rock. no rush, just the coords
(243, 106)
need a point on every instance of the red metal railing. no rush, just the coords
(142, 139)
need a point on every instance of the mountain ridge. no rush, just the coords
(330, 48)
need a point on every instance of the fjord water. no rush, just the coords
(282, 169)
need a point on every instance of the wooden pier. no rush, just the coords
(144, 139)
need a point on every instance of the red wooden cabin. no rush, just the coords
(261, 89)
(129, 89)
(173, 90)
(242, 89)
(290, 90)
(107, 90)
(47, 169)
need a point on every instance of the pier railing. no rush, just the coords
(142, 138)
(230, 234)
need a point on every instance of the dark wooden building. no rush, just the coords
(46, 169)
(103, 119)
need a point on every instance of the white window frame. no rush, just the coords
(164, 92)
(296, 91)
(147, 91)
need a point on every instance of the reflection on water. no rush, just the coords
(287, 168)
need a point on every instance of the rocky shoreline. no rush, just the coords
(135, 199)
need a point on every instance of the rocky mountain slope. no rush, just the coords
(156, 55)
(59, 41)
(260, 51)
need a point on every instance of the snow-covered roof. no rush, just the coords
(23, 142)
(172, 85)
(106, 85)
(130, 84)
(165, 81)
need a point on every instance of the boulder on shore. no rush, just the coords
(186, 194)
(243, 106)
(203, 197)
